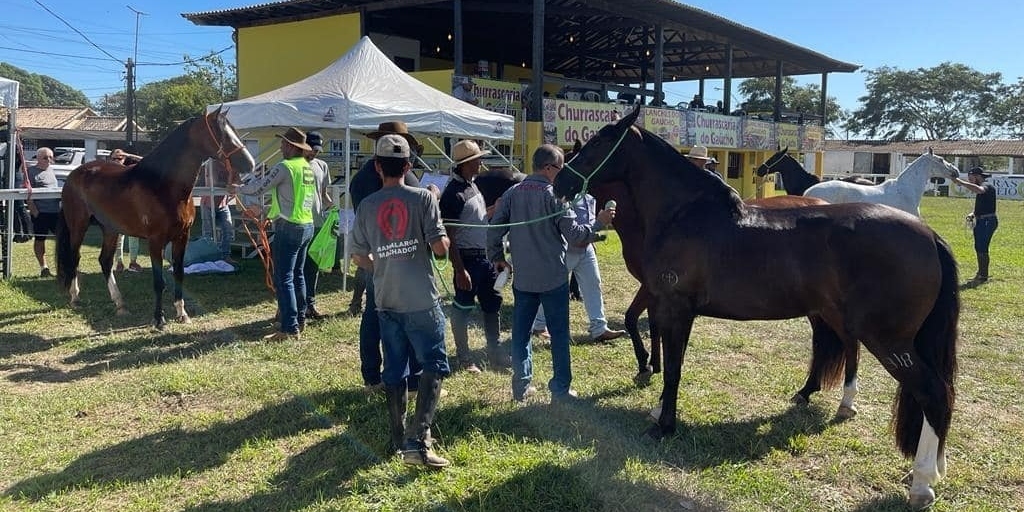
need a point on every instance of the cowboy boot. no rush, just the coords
(460, 333)
(397, 400)
(358, 289)
(982, 267)
(497, 357)
(417, 449)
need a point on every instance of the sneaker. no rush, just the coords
(608, 335)
(415, 453)
(134, 267)
(569, 397)
(542, 333)
(530, 391)
(45, 272)
(120, 267)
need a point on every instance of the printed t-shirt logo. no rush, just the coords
(393, 219)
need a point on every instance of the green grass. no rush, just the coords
(100, 412)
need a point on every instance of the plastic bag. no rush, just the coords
(323, 248)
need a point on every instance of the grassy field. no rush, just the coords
(99, 412)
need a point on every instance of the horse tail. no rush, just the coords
(67, 258)
(827, 353)
(935, 344)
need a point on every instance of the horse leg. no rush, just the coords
(70, 235)
(156, 260)
(643, 376)
(677, 335)
(178, 253)
(826, 360)
(106, 260)
(847, 408)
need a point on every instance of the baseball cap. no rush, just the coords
(315, 140)
(392, 146)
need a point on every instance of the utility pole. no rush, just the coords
(130, 110)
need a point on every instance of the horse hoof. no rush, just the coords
(921, 501)
(75, 304)
(122, 311)
(799, 399)
(184, 319)
(846, 413)
(643, 379)
(654, 433)
(655, 414)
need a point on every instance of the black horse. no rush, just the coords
(795, 178)
(703, 255)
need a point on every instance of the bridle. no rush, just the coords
(224, 157)
(586, 179)
(770, 164)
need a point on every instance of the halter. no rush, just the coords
(769, 164)
(224, 157)
(586, 179)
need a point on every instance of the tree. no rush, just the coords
(112, 104)
(41, 90)
(163, 105)
(1008, 114)
(949, 101)
(759, 95)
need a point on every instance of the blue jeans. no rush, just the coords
(419, 336)
(370, 359)
(984, 228)
(288, 251)
(556, 309)
(584, 266)
(222, 214)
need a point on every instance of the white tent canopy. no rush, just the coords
(361, 90)
(8, 93)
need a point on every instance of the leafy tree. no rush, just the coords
(1008, 114)
(163, 105)
(759, 95)
(42, 91)
(112, 104)
(949, 101)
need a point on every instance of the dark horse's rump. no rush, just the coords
(492, 184)
(151, 200)
(704, 254)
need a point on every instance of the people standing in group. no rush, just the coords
(43, 211)
(215, 213)
(322, 180)
(540, 277)
(473, 274)
(128, 160)
(293, 197)
(983, 216)
(397, 231)
(581, 261)
(367, 181)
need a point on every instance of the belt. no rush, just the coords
(985, 216)
(473, 252)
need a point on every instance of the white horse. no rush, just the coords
(903, 192)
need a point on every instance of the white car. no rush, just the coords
(67, 159)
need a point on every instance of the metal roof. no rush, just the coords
(612, 41)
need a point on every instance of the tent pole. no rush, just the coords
(344, 265)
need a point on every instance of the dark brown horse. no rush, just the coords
(704, 255)
(151, 200)
(795, 178)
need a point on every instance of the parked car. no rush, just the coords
(66, 159)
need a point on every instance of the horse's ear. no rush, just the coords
(631, 118)
(930, 150)
(577, 146)
(785, 149)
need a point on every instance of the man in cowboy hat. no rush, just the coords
(366, 182)
(699, 156)
(984, 216)
(292, 199)
(474, 274)
(712, 166)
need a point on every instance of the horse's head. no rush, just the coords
(938, 167)
(224, 144)
(601, 159)
(769, 165)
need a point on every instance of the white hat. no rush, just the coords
(466, 150)
(699, 152)
(392, 146)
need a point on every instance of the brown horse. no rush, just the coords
(704, 255)
(151, 200)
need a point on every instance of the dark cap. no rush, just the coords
(315, 140)
(978, 171)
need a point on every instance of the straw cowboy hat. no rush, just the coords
(396, 128)
(698, 152)
(295, 137)
(466, 150)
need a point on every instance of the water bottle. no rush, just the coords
(501, 280)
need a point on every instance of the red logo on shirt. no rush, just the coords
(393, 219)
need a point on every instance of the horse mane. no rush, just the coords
(708, 189)
(158, 166)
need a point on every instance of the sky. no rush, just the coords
(983, 34)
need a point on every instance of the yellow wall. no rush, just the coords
(272, 56)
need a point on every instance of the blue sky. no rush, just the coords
(984, 34)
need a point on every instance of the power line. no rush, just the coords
(72, 27)
(182, 63)
(52, 54)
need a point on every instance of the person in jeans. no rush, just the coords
(474, 274)
(322, 180)
(219, 215)
(581, 260)
(128, 160)
(397, 231)
(984, 216)
(292, 199)
(540, 276)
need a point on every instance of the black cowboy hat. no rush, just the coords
(978, 171)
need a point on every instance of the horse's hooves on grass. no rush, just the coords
(846, 413)
(799, 399)
(643, 379)
(122, 311)
(185, 319)
(654, 434)
(922, 501)
(75, 305)
(655, 413)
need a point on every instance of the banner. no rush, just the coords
(498, 96)
(1008, 186)
(666, 123)
(716, 131)
(788, 135)
(758, 135)
(567, 121)
(814, 138)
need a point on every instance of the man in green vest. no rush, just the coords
(293, 196)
